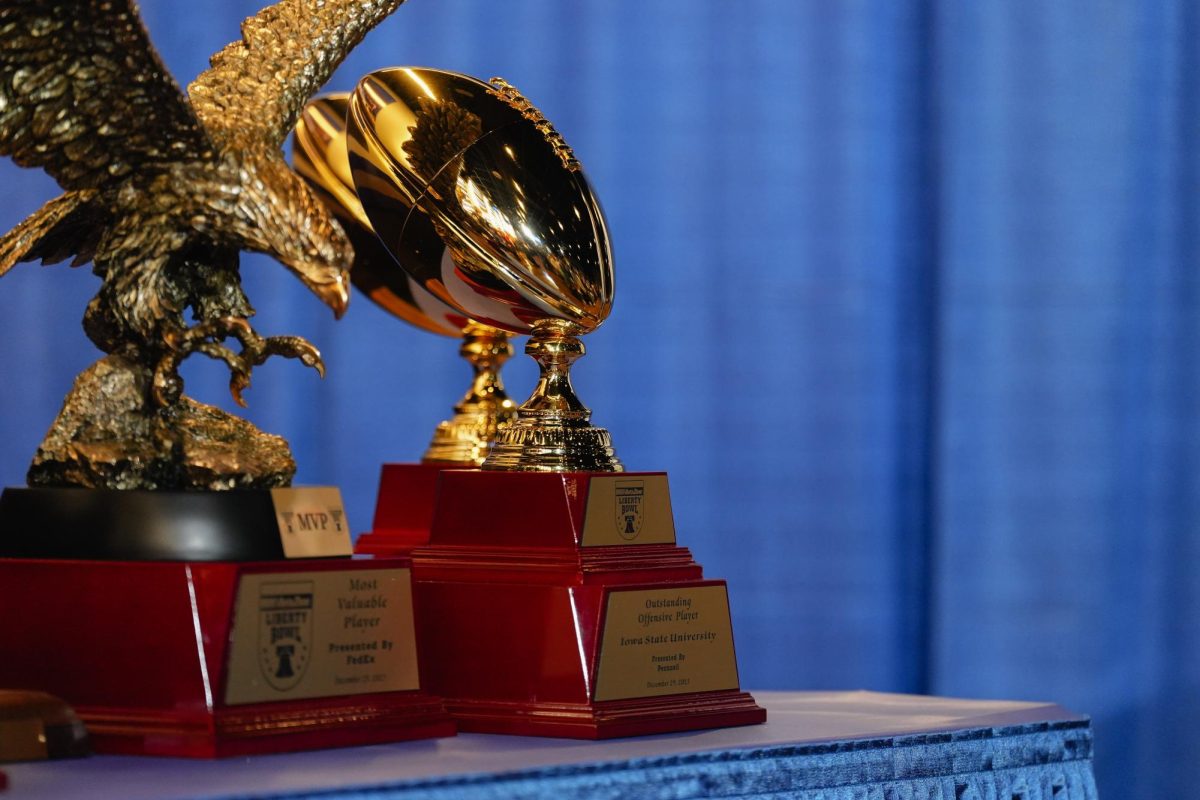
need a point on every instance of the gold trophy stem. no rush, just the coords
(465, 438)
(552, 432)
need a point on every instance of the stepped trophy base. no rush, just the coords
(228, 649)
(558, 604)
(403, 510)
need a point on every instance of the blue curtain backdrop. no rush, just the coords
(908, 306)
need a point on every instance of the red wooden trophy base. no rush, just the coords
(403, 510)
(515, 596)
(142, 650)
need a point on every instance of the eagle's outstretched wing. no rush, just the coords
(67, 226)
(254, 91)
(84, 95)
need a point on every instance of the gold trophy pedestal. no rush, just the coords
(552, 597)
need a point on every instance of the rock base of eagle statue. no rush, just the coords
(105, 437)
(162, 192)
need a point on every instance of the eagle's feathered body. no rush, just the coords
(163, 191)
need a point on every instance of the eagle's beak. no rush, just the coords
(335, 294)
(331, 285)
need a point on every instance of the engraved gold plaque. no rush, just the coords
(312, 522)
(666, 641)
(628, 510)
(298, 635)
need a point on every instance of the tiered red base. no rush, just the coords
(510, 613)
(268, 727)
(140, 649)
(612, 719)
(403, 510)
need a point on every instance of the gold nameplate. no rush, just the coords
(312, 522)
(628, 510)
(322, 634)
(666, 641)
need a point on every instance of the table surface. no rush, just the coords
(794, 718)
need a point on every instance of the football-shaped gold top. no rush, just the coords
(478, 197)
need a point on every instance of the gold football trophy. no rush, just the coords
(552, 598)
(320, 155)
(489, 235)
(404, 505)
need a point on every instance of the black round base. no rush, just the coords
(115, 525)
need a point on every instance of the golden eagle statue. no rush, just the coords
(161, 191)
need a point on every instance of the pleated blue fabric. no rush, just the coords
(1032, 762)
(908, 306)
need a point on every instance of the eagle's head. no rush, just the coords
(272, 210)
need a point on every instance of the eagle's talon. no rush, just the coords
(237, 385)
(239, 370)
(166, 386)
(205, 337)
(294, 347)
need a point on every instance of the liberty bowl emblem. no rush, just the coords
(285, 621)
(630, 498)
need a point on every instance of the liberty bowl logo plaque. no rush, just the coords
(285, 621)
(630, 499)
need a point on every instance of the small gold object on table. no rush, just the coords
(552, 598)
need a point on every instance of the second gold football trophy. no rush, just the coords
(552, 598)
(404, 508)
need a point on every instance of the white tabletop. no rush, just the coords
(794, 718)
